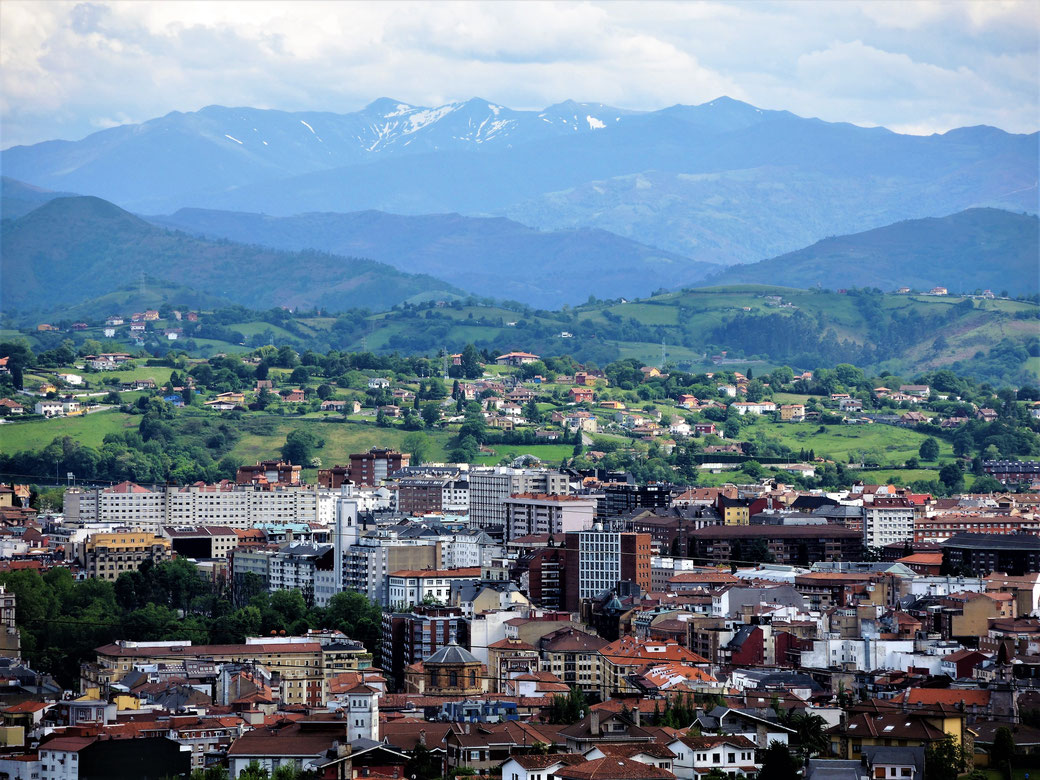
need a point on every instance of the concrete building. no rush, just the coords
(887, 521)
(533, 513)
(597, 560)
(490, 487)
(224, 504)
(107, 555)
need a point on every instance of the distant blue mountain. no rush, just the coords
(489, 256)
(723, 182)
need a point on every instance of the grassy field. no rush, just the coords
(885, 444)
(159, 374)
(252, 328)
(89, 429)
(341, 439)
(550, 453)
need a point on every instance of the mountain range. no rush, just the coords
(490, 256)
(973, 249)
(70, 250)
(723, 182)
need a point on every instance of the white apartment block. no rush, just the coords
(864, 654)
(600, 562)
(134, 505)
(490, 487)
(410, 587)
(887, 524)
(543, 514)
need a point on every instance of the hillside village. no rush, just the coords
(516, 565)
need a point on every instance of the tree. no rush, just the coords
(470, 363)
(531, 412)
(1003, 751)
(810, 730)
(212, 773)
(986, 484)
(952, 476)
(929, 449)
(431, 414)
(423, 763)
(417, 445)
(570, 708)
(299, 446)
(254, 772)
(779, 764)
(943, 760)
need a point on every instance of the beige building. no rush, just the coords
(301, 666)
(107, 555)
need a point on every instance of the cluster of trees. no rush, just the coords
(62, 620)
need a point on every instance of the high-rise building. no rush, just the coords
(374, 466)
(888, 520)
(598, 560)
(490, 487)
(534, 513)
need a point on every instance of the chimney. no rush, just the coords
(636, 715)
(594, 723)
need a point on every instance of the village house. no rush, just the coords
(581, 394)
(516, 359)
(753, 407)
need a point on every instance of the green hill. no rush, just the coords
(71, 250)
(977, 249)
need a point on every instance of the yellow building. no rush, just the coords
(106, 556)
(302, 666)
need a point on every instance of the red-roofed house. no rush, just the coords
(695, 756)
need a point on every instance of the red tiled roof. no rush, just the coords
(614, 768)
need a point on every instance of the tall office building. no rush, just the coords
(490, 487)
(598, 560)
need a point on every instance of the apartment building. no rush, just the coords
(368, 564)
(222, 504)
(369, 468)
(597, 560)
(208, 541)
(490, 487)
(534, 513)
(299, 663)
(107, 555)
(887, 521)
(411, 637)
(409, 587)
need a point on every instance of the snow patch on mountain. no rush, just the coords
(594, 124)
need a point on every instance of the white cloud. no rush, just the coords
(69, 68)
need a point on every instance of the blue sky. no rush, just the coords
(70, 68)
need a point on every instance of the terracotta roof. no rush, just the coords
(971, 697)
(640, 651)
(706, 743)
(535, 761)
(704, 576)
(628, 750)
(68, 744)
(929, 559)
(27, 706)
(613, 768)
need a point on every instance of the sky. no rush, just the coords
(68, 69)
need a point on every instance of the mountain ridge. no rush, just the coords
(979, 248)
(468, 252)
(723, 182)
(74, 248)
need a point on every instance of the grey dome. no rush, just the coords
(452, 654)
